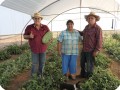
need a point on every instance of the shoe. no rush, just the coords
(89, 75)
(72, 77)
(41, 77)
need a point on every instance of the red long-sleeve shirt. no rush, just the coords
(36, 44)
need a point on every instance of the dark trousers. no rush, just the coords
(87, 64)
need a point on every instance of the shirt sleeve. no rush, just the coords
(81, 33)
(60, 38)
(99, 40)
(81, 38)
(27, 31)
(46, 27)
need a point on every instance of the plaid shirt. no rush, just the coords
(92, 38)
(69, 42)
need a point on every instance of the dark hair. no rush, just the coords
(69, 21)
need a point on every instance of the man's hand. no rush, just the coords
(31, 35)
(95, 53)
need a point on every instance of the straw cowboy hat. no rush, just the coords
(92, 14)
(37, 15)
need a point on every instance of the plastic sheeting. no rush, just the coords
(51, 8)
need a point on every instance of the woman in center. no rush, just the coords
(68, 42)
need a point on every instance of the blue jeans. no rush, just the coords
(69, 63)
(38, 62)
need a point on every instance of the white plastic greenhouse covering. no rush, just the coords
(51, 8)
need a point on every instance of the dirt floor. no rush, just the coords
(9, 40)
(114, 65)
(115, 68)
(21, 78)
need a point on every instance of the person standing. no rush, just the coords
(68, 41)
(34, 34)
(92, 43)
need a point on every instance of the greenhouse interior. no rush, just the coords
(17, 51)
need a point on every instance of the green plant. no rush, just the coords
(14, 49)
(25, 46)
(4, 54)
(11, 68)
(116, 36)
(52, 76)
(102, 61)
(101, 80)
(112, 48)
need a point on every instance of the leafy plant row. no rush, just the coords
(102, 61)
(112, 47)
(101, 79)
(12, 50)
(116, 36)
(52, 76)
(11, 68)
(51, 79)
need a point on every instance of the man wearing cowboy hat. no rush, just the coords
(34, 33)
(92, 43)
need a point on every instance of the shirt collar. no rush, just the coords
(92, 26)
(41, 25)
(68, 30)
(35, 25)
